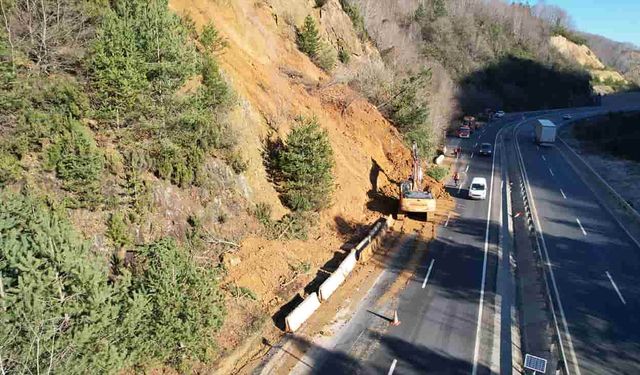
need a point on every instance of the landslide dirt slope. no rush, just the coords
(275, 83)
(583, 56)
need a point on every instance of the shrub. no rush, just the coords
(306, 164)
(262, 212)
(184, 304)
(118, 230)
(10, 169)
(211, 39)
(326, 58)
(309, 38)
(343, 55)
(76, 158)
(438, 173)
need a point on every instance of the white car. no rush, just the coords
(478, 188)
(567, 117)
(499, 114)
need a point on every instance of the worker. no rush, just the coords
(456, 178)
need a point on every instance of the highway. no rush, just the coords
(450, 308)
(596, 265)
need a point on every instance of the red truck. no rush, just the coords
(464, 131)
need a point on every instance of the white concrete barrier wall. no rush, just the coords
(348, 264)
(330, 285)
(302, 312)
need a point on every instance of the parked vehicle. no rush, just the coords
(464, 132)
(486, 149)
(567, 117)
(499, 114)
(545, 132)
(478, 188)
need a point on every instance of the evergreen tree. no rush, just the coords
(309, 38)
(306, 164)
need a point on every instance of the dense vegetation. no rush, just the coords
(65, 311)
(616, 133)
(99, 101)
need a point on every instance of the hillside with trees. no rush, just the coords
(174, 173)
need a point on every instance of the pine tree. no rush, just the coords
(309, 38)
(306, 164)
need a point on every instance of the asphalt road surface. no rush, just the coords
(595, 263)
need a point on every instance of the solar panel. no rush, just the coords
(534, 363)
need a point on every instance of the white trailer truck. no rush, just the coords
(545, 132)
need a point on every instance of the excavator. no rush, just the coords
(413, 199)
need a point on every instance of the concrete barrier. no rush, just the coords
(348, 264)
(302, 312)
(330, 285)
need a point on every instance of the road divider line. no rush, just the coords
(466, 169)
(476, 349)
(393, 367)
(471, 157)
(448, 217)
(581, 227)
(543, 158)
(550, 171)
(426, 278)
(614, 287)
(563, 194)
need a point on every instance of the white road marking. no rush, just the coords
(476, 350)
(426, 278)
(448, 217)
(538, 148)
(614, 287)
(581, 227)
(471, 157)
(393, 367)
(543, 158)
(460, 187)
(550, 171)
(476, 144)
(563, 194)
(547, 262)
(466, 169)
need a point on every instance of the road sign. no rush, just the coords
(534, 363)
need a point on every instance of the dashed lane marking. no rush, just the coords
(614, 287)
(426, 278)
(563, 194)
(393, 367)
(581, 227)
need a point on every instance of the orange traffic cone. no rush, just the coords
(396, 321)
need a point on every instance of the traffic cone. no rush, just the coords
(396, 321)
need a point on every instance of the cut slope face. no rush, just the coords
(581, 54)
(602, 77)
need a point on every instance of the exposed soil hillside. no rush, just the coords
(602, 76)
(276, 83)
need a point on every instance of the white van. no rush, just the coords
(478, 188)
